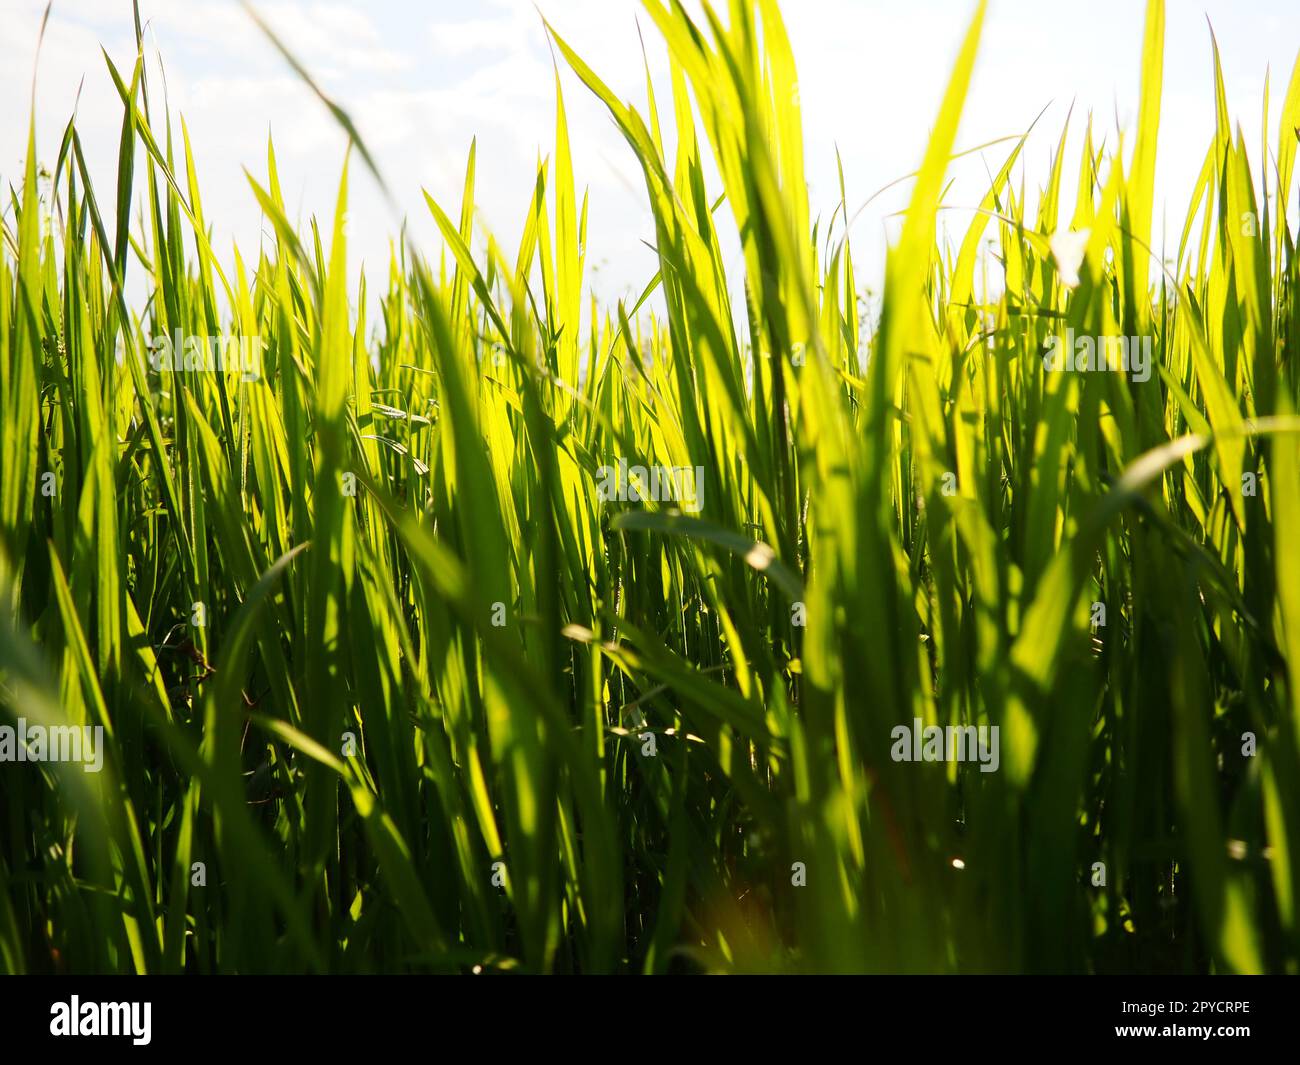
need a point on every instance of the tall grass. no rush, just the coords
(450, 710)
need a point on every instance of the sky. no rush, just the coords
(422, 79)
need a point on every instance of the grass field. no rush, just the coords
(394, 674)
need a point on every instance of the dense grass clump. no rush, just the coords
(394, 676)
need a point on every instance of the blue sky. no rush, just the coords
(421, 79)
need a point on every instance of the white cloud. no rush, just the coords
(422, 79)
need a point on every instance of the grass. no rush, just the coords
(448, 710)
